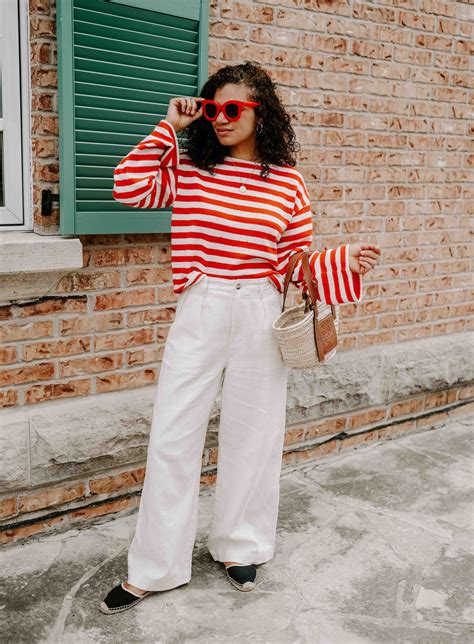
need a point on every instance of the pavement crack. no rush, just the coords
(57, 630)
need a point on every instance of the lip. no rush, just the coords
(222, 131)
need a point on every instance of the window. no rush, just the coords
(119, 63)
(14, 182)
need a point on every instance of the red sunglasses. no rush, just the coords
(231, 109)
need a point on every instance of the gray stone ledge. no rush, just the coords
(28, 252)
(60, 440)
(32, 264)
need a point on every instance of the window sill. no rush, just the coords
(29, 252)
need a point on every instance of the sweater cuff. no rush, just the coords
(336, 282)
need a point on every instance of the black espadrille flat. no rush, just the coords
(242, 576)
(119, 599)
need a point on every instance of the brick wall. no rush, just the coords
(380, 95)
(380, 98)
(103, 329)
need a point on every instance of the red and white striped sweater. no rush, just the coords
(218, 230)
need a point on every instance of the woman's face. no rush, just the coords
(235, 132)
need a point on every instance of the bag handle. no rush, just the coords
(308, 278)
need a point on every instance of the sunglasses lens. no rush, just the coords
(232, 110)
(210, 110)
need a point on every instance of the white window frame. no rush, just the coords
(16, 124)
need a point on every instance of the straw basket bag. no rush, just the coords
(307, 333)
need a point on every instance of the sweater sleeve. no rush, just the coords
(336, 283)
(147, 176)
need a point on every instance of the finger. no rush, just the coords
(371, 263)
(370, 247)
(375, 248)
(369, 253)
(369, 260)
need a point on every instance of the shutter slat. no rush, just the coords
(118, 110)
(109, 62)
(108, 128)
(166, 25)
(152, 49)
(101, 92)
(132, 11)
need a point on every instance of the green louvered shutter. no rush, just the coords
(119, 63)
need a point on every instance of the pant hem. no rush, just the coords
(162, 584)
(248, 559)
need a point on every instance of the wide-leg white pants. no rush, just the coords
(221, 337)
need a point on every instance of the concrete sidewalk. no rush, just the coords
(374, 545)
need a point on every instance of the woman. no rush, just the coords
(240, 210)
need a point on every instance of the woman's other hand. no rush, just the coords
(363, 257)
(182, 111)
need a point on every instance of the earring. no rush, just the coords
(259, 128)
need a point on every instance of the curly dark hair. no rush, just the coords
(276, 142)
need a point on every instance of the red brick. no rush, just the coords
(119, 482)
(30, 330)
(130, 380)
(250, 12)
(8, 507)
(8, 355)
(42, 27)
(82, 281)
(406, 408)
(91, 323)
(359, 439)
(158, 275)
(30, 373)
(43, 123)
(141, 255)
(8, 398)
(41, 101)
(50, 497)
(109, 257)
(55, 348)
(123, 340)
(399, 429)
(71, 388)
(325, 426)
(144, 356)
(47, 307)
(165, 295)
(5, 312)
(366, 417)
(161, 315)
(119, 299)
(117, 505)
(38, 6)
(17, 533)
(40, 52)
(294, 435)
(91, 364)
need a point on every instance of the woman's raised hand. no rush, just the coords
(363, 257)
(182, 111)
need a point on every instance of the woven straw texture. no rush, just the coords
(295, 335)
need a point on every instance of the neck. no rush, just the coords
(245, 150)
